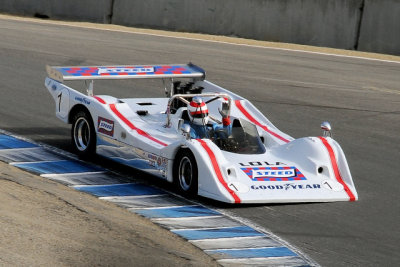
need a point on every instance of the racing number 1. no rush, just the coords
(59, 102)
(328, 185)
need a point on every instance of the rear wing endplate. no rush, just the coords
(125, 72)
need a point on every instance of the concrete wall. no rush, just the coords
(82, 10)
(380, 27)
(367, 25)
(316, 22)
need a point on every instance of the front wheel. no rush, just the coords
(186, 173)
(83, 134)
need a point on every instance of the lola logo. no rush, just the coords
(105, 126)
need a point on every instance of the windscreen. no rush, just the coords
(244, 139)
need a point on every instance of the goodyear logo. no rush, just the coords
(83, 100)
(286, 187)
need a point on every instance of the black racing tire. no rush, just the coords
(186, 173)
(83, 134)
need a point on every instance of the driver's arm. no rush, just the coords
(226, 128)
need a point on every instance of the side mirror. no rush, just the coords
(185, 129)
(326, 128)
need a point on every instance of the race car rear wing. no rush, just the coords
(125, 72)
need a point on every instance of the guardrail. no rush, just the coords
(366, 25)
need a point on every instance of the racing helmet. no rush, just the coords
(198, 111)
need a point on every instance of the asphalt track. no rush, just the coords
(296, 90)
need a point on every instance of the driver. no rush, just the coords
(199, 118)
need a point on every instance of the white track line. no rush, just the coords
(55, 175)
(188, 218)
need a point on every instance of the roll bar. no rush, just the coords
(182, 97)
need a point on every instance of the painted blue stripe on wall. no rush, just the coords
(239, 231)
(58, 167)
(7, 142)
(252, 253)
(177, 212)
(120, 190)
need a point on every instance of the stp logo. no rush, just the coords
(105, 126)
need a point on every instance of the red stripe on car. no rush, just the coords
(253, 120)
(99, 99)
(336, 169)
(133, 127)
(218, 170)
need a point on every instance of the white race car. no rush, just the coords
(203, 138)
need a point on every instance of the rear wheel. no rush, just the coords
(83, 134)
(186, 173)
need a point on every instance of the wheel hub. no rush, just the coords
(82, 134)
(185, 173)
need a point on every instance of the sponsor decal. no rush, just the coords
(156, 161)
(286, 187)
(83, 100)
(276, 173)
(261, 163)
(268, 172)
(105, 126)
(127, 70)
(152, 157)
(159, 161)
